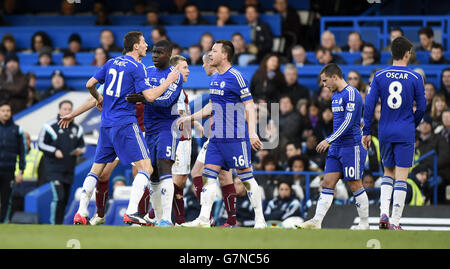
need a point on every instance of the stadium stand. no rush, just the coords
(123, 18)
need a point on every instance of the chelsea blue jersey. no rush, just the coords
(398, 87)
(346, 106)
(120, 76)
(228, 91)
(161, 113)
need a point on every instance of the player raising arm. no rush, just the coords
(398, 87)
(119, 135)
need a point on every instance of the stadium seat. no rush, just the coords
(274, 20)
(90, 34)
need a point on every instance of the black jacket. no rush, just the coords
(262, 38)
(438, 143)
(12, 143)
(281, 209)
(67, 140)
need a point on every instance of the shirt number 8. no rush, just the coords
(395, 89)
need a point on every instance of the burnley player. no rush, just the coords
(181, 167)
(346, 156)
(161, 134)
(398, 87)
(119, 135)
(232, 138)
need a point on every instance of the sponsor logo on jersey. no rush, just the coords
(216, 91)
(222, 84)
(337, 109)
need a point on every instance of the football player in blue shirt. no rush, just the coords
(233, 131)
(119, 134)
(346, 156)
(398, 87)
(161, 134)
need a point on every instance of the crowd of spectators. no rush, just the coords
(305, 117)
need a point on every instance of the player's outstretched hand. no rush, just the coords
(65, 121)
(135, 98)
(366, 140)
(323, 146)
(173, 76)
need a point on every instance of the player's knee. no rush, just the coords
(225, 178)
(355, 185)
(104, 177)
(196, 170)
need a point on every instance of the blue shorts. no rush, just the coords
(229, 155)
(162, 145)
(125, 142)
(397, 154)
(348, 160)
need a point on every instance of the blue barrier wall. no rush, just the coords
(76, 77)
(375, 29)
(38, 201)
(91, 34)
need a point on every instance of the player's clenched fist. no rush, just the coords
(135, 98)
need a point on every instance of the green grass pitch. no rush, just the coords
(14, 236)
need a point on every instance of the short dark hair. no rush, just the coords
(269, 159)
(396, 29)
(227, 47)
(431, 83)
(370, 45)
(222, 5)
(75, 37)
(5, 103)
(331, 69)
(285, 181)
(437, 46)
(165, 44)
(253, 6)
(288, 97)
(65, 102)
(426, 31)
(301, 158)
(399, 47)
(322, 49)
(296, 144)
(357, 33)
(237, 34)
(161, 30)
(130, 39)
(197, 46)
(189, 5)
